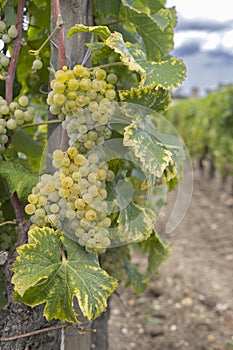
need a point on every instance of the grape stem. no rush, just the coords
(15, 202)
(62, 58)
(48, 329)
(37, 52)
(109, 65)
(60, 33)
(15, 53)
(10, 222)
(41, 123)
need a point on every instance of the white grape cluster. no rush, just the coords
(73, 199)
(6, 35)
(13, 115)
(84, 100)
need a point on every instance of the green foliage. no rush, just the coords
(42, 274)
(18, 178)
(208, 120)
(157, 252)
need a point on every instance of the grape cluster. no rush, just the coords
(73, 199)
(84, 100)
(13, 115)
(6, 35)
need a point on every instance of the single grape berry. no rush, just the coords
(37, 64)
(12, 32)
(23, 101)
(6, 39)
(4, 61)
(112, 78)
(11, 124)
(2, 26)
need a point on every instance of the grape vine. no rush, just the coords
(77, 220)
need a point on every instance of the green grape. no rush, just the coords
(81, 71)
(100, 74)
(30, 209)
(60, 75)
(4, 109)
(19, 114)
(13, 32)
(73, 84)
(28, 116)
(23, 101)
(37, 64)
(58, 86)
(3, 139)
(13, 106)
(112, 78)
(11, 124)
(2, 26)
(4, 61)
(6, 39)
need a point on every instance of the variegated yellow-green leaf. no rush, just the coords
(154, 97)
(99, 51)
(102, 31)
(116, 42)
(54, 270)
(152, 154)
(134, 223)
(168, 74)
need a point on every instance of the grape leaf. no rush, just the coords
(102, 31)
(168, 74)
(158, 251)
(18, 178)
(154, 97)
(134, 223)
(137, 280)
(116, 42)
(158, 41)
(43, 275)
(153, 155)
(106, 8)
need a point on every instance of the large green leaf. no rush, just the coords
(156, 33)
(106, 8)
(42, 274)
(147, 6)
(18, 178)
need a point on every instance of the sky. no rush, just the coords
(204, 40)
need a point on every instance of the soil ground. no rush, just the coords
(189, 304)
